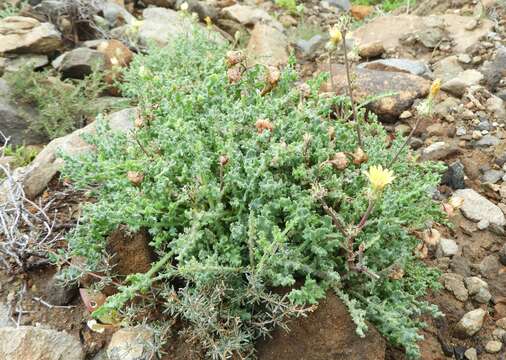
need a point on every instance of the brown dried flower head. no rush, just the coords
(339, 161)
(234, 57)
(273, 75)
(305, 90)
(223, 160)
(234, 74)
(135, 177)
(263, 124)
(359, 156)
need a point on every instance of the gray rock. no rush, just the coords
(114, 13)
(16, 118)
(448, 247)
(483, 296)
(493, 70)
(446, 108)
(474, 284)
(5, 316)
(492, 176)
(501, 323)
(27, 342)
(80, 62)
(249, 15)
(23, 35)
(13, 64)
(414, 67)
(460, 265)
(43, 168)
(457, 86)
(447, 68)
(490, 266)
(502, 255)
(341, 4)
(438, 150)
(477, 208)
(483, 224)
(471, 354)
(162, 26)
(471, 323)
(493, 346)
(455, 283)
(487, 140)
(131, 344)
(309, 47)
(495, 105)
(370, 83)
(430, 37)
(57, 293)
(454, 176)
(202, 8)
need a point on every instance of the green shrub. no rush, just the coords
(9, 9)
(386, 5)
(290, 5)
(23, 155)
(234, 213)
(63, 105)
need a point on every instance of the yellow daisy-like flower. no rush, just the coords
(379, 177)
(435, 88)
(335, 35)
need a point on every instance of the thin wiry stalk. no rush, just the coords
(26, 230)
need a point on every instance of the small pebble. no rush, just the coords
(493, 346)
(471, 354)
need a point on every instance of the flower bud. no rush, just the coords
(263, 124)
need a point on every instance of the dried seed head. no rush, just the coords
(305, 90)
(331, 131)
(263, 124)
(234, 74)
(359, 156)
(135, 177)
(234, 58)
(431, 237)
(139, 121)
(339, 161)
(223, 160)
(273, 75)
(396, 273)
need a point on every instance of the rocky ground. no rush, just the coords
(461, 42)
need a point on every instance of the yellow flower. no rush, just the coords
(335, 35)
(435, 87)
(379, 177)
(208, 21)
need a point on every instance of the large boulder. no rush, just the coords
(79, 63)
(16, 118)
(389, 30)
(163, 26)
(328, 333)
(16, 62)
(267, 46)
(47, 163)
(33, 343)
(369, 83)
(27, 35)
(249, 16)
